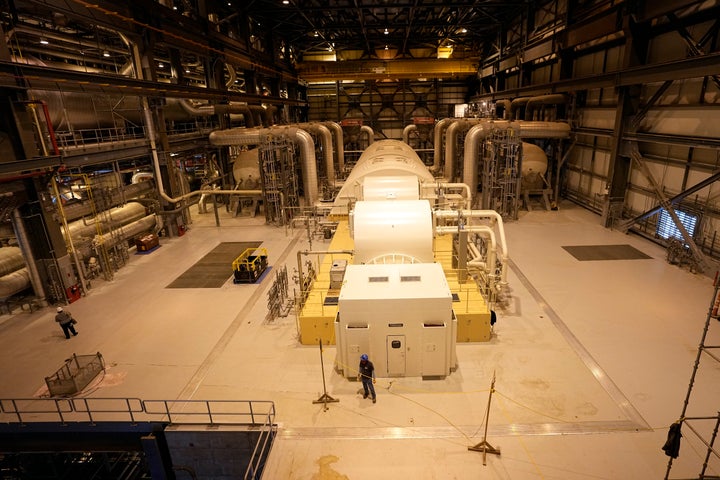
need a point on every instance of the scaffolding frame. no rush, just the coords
(703, 348)
(502, 154)
(279, 177)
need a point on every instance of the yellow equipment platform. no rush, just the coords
(316, 317)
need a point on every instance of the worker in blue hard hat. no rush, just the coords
(366, 373)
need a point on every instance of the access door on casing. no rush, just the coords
(396, 355)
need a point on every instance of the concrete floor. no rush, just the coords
(592, 361)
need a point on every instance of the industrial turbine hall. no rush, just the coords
(335, 239)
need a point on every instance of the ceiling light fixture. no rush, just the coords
(106, 53)
(286, 2)
(386, 32)
(43, 41)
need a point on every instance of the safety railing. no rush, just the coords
(93, 410)
(262, 448)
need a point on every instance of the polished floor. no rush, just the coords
(591, 360)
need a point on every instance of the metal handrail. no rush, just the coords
(99, 409)
(262, 446)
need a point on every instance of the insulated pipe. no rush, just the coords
(471, 151)
(447, 185)
(552, 99)
(505, 104)
(369, 132)
(515, 104)
(243, 136)
(206, 110)
(541, 129)
(24, 242)
(326, 142)
(438, 132)
(14, 282)
(487, 232)
(450, 139)
(406, 132)
(337, 131)
(491, 214)
(120, 215)
(145, 224)
(11, 259)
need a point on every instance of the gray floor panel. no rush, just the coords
(586, 253)
(213, 270)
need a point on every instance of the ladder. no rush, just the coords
(702, 426)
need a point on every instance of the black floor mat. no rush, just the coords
(215, 268)
(586, 253)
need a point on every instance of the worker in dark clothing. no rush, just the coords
(66, 322)
(366, 373)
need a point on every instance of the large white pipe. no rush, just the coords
(471, 152)
(337, 131)
(130, 230)
(327, 145)
(524, 130)
(406, 132)
(14, 282)
(244, 136)
(551, 99)
(11, 259)
(527, 130)
(451, 139)
(450, 186)
(438, 133)
(369, 132)
(81, 230)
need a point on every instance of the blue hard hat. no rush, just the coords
(363, 356)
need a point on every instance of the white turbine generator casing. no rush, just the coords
(385, 158)
(395, 303)
(403, 187)
(399, 314)
(383, 230)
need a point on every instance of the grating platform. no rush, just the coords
(214, 269)
(586, 253)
